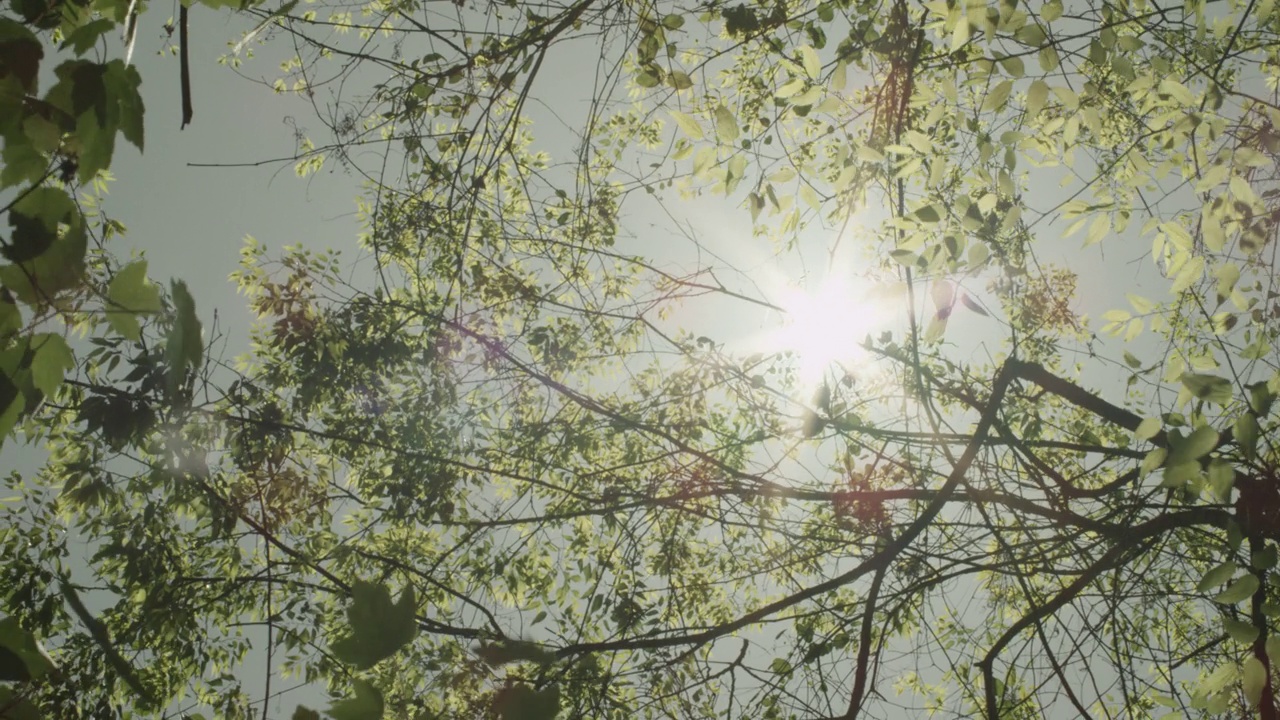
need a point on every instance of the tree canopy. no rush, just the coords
(524, 456)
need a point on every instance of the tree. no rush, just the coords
(497, 477)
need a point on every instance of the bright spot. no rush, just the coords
(826, 326)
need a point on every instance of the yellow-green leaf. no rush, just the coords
(809, 61)
(726, 124)
(1244, 587)
(688, 124)
(960, 35)
(1253, 680)
(998, 96)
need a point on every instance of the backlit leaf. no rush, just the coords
(1244, 587)
(726, 124)
(378, 626)
(366, 705)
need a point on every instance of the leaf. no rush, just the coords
(944, 298)
(1273, 649)
(809, 61)
(20, 54)
(1253, 680)
(1098, 230)
(687, 124)
(303, 712)
(960, 35)
(1013, 65)
(1246, 435)
(1148, 428)
(378, 626)
(185, 347)
(1244, 587)
(1048, 58)
(928, 214)
(509, 651)
(17, 707)
(83, 38)
(39, 281)
(1217, 575)
(791, 88)
(998, 96)
(522, 702)
(128, 295)
(973, 304)
(366, 705)
(1199, 443)
(21, 656)
(1260, 399)
(1222, 478)
(35, 220)
(1209, 388)
(52, 358)
(1242, 631)
(673, 22)
(726, 124)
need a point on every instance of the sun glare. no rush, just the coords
(825, 327)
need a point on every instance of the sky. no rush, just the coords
(190, 219)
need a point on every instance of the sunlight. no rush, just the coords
(825, 326)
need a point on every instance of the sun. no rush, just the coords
(825, 327)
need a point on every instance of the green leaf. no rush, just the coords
(60, 267)
(1013, 65)
(184, 347)
(303, 712)
(1246, 435)
(1244, 587)
(1048, 58)
(20, 55)
(522, 702)
(791, 88)
(673, 22)
(809, 61)
(17, 707)
(1218, 575)
(1199, 443)
(1222, 477)
(998, 96)
(52, 358)
(501, 653)
(1273, 649)
(82, 39)
(1148, 428)
(726, 124)
(1260, 399)
(689, 125)
(1253, 680)
(960, 34)
(379, 627)
(123, 82)
(366, 705)
(128, 295)
(928, 214)
(35, 220)
(1209, 388)
(1242, 631)
(21, 656)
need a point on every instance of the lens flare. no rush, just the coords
(825, 327)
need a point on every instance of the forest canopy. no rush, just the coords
(767, 359)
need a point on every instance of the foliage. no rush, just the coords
(587, 509)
